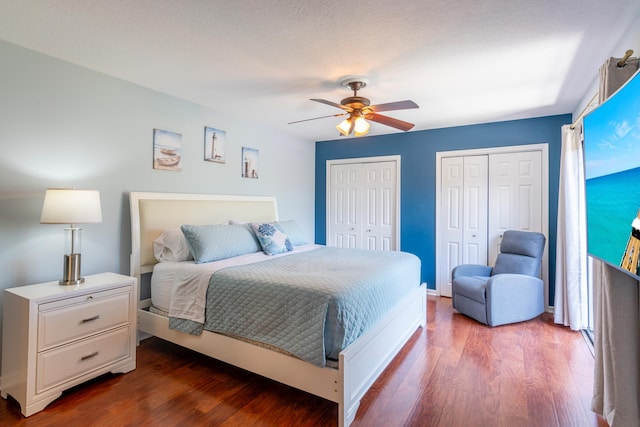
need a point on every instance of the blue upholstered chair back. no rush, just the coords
(520, 253)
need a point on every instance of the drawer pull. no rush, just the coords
(89, 356)
(91, 319)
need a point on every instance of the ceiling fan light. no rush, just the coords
(361, 127)
(344, 127)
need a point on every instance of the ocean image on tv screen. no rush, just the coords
(612, 170)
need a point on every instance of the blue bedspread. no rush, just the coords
(312, 304)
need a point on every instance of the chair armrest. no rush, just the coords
(513, 297)
(470, 270)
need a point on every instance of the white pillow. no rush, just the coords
(171, 245)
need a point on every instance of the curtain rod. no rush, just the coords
(621, 63)
(584, 110)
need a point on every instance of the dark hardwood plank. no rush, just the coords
(454, 372)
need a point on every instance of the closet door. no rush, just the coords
(474, 237)
(344, 228)
(379, 206)
(515, 192)
(464, 193)
(363, 206)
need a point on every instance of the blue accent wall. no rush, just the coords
(418, 175)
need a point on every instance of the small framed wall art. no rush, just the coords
(167, 150)
(249, 163)
(214, 145)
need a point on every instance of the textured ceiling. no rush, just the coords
(461, 61)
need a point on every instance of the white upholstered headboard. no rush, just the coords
(153, 213)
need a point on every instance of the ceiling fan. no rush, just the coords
(359, 110)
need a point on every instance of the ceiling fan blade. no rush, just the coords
(398, 105)
(316, 118)
(333, 104)
(389, 121)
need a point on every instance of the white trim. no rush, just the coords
(544, 149)
(360, 160)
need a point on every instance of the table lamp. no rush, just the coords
(71, 206)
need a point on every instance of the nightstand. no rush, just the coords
(55, 337)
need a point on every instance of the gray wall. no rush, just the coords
(62, 125)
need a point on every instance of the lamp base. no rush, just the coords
(71, 282)
(71, 271)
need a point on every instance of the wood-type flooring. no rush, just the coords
(455, 372)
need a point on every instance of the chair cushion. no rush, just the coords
(473, 287)
(516, 264)
(526, 243)
(520, 253)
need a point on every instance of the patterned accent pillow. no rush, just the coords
(272, 240)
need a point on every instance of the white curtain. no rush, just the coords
(571, 300)
(616, 393)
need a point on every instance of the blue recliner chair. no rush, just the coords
(510, 292)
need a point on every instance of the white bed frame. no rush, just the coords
(360, 364)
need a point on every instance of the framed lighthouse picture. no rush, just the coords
(249, 163)
(214, 145)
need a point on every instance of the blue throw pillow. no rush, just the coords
(209, 243)
(272, 240)
(294, 232)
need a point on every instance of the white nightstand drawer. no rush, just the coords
(70, 298)
(68, 362)
(59, 326)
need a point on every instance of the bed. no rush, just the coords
(358, 365)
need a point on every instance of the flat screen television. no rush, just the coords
(612, 172)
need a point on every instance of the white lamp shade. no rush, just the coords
(71, 206)
(361, 127)
(344, 127)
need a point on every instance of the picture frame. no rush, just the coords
(214, 145)
(250, 163)
(167, 150)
